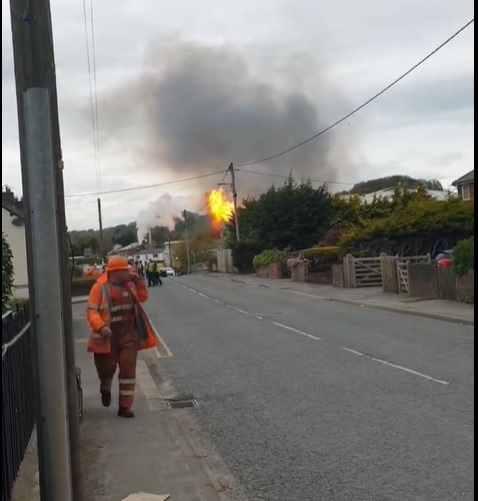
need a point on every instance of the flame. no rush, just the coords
(219, 207)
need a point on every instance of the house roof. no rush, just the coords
(468, 178)
(15, 211)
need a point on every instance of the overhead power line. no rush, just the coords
(295, 178)
(366, 103)
(137, 188)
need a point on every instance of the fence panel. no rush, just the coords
(18, 413)
(447, 284)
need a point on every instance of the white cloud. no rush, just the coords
(423, 127)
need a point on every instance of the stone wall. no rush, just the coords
(272, 271)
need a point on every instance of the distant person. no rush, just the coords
(119, 328)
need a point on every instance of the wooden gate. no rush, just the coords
(362, 272)
(402, 271)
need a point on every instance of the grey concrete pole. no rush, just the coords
(44, 257)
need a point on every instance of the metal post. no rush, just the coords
(56, 474)
(234, 197)
(100, 219)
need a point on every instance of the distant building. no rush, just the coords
(388, 193)
(466, 185)
(13, 225)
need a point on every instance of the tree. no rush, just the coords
(295, 216)
(383, 183)
(7, 272)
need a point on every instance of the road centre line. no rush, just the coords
(242, 311)
(296, 331)
(203, 295)
(398, 367)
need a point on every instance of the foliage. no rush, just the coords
(321, 259)
(7, 273)
(296, 215)
(268, 257)
(393, 181)
(199, 252)
(18, 303)
(420, 226)
(243, 254)
(464, 257)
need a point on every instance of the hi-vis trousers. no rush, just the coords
(124, 353)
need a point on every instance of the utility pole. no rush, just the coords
(170, 253)
(100, 220)
(46, 237)
(186, 234)
(234, 197)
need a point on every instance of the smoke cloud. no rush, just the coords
(161, 212)
(196, 108)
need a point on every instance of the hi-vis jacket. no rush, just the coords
(102, 311)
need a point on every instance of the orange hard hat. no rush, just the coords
(117, 263)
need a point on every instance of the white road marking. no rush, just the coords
(161, 341)
(410, 371)
(297, 331)
(191, 290)
(398, 367)
(241, 311)
(203, 295)
(259, 318)
(218, 301)
(354, 352)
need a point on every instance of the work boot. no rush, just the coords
(106, 399)
(126, 413)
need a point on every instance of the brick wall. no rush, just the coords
(466, 287)
(322, 278)
(271, 271)
(423, 280)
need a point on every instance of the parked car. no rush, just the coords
(444, 258)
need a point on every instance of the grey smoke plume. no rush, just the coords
(196, 108)
(161, 212)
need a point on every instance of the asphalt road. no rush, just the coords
(306, 399)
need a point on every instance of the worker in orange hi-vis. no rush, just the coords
(119, 328)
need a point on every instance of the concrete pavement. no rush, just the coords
(303, 398)
(368, 297)
(148, 454)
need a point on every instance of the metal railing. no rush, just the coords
(18, 410)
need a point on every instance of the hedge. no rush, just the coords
(81, 286)
(269, 257)
(421, 227)
(321, 259)
(464, 257)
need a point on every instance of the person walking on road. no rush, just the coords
(119, 328)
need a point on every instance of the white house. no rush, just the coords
(388, 193)
(13, 225)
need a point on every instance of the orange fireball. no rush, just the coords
(220, 209)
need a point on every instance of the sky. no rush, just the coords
(185, 88)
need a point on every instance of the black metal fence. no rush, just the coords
(18, 412)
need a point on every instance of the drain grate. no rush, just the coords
(181, 403)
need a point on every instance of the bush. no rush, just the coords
(421, 227)
(243, 254)
(7, 273)
(269, 257)
(18, 303)
(321, 259)
(464, 257)
(82, 286)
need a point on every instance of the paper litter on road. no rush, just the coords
(143, 496)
